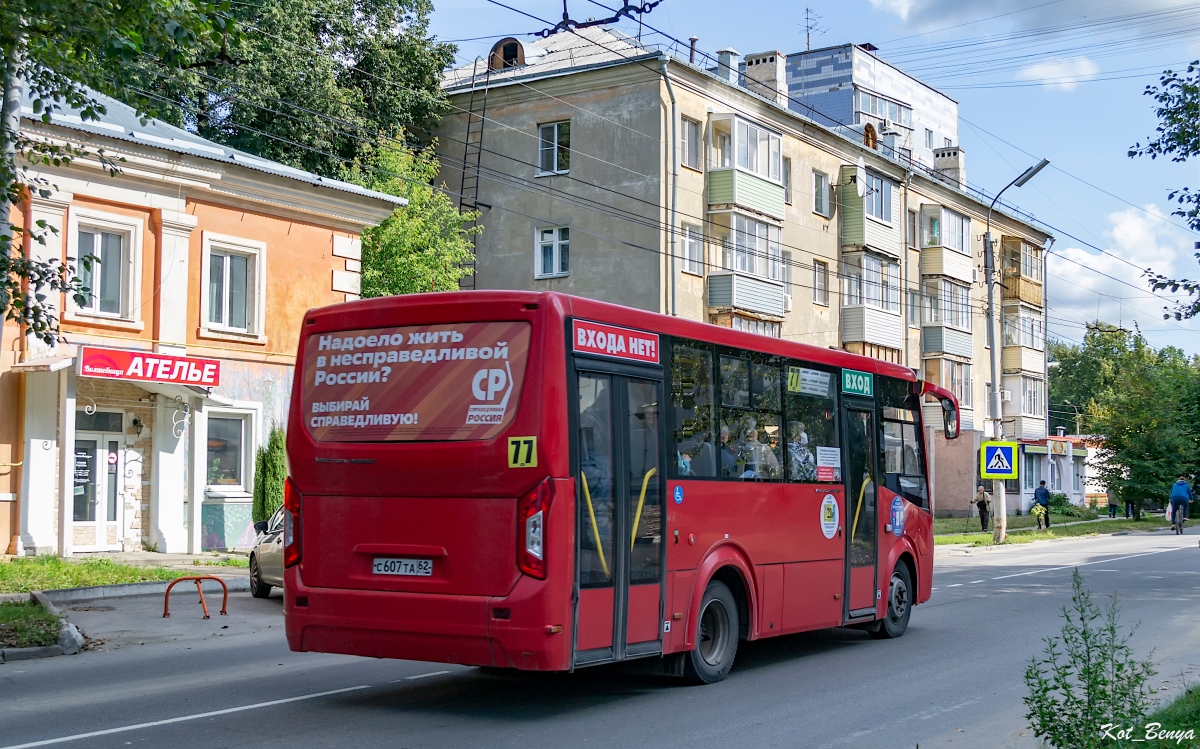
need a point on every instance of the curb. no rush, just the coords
(70, 639)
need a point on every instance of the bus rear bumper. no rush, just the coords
(423, 627)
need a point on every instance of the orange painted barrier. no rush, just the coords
(196, 579)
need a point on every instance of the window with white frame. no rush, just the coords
(877, 106)
(949, 303)
(553, 252)
(227, 444)
(107, 252)
(787, 272)
(1022, 257)
(693, 249)
(821, 282)
(756, 247)
(958, 381)
(914, 307)
(1024, 328)
(689, 143)
(928, 138)
(871, 280)
(232, 284)
(787, 180)
(758, 150)
(722, 145)
(761, 327)
(987, 400)
(821, 195)
(956, 231)
(554, 148)
(1032, 397)
(1033, 470)
(878, 200)
(910, 230)
(1055, 475)
(948, 143)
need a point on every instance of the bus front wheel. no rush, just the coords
(716, 636)
(900, 603)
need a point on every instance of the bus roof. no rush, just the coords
(575, 306)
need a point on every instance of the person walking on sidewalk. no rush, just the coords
(1041, 496)
(983, 502)
(1112, 502)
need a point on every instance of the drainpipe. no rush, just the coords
(904, 297)
(674, 183)
(1045, 320)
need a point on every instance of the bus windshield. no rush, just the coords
(428, 382)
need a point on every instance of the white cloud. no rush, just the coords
(899, 7)
(1079, 295)
(926, 15)
(1064, 75)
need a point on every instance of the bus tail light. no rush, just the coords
(532, 510)
(292, 524)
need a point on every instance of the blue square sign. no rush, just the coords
(998, 460)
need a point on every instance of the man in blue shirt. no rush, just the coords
(1181, 494)
(1041, 496)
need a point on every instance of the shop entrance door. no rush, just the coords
(97, 505)
(619, 518)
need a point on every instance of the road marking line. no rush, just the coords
(974, 581)
(422, 676)
(955, 585)
(1085, 564)
(932, 589)
(181, 719)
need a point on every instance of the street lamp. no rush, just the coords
(989, 263)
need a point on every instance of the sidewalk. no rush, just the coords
(1031, 528)
(209, 562)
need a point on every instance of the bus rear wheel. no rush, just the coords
(716, 636)
(900, 603)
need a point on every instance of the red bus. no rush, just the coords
(545, 482)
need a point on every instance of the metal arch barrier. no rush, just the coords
(196, 579)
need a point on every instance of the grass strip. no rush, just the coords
(25, 624)
(1068, 531)
(971, 524)
(1176, 717)
(24, 574)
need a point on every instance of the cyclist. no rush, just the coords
(1181, 494)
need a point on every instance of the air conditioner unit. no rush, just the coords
(1006, 396)
(787, 302)
(889, 127)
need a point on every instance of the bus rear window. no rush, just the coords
(429, 382)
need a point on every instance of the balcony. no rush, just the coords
(937, 260)
(943, 339)
(1023, 359)
(862, 230)
(1022, 427)
(863, 324)
(735, 188)
(1022, 288)
(732, 290)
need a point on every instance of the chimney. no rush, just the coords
(951, 163)
(727, 65)
(766, 75)
(1062, 431)
(692, 50)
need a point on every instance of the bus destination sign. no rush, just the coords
(618, 343)
(858, 383)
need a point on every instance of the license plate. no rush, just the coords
(393, 566)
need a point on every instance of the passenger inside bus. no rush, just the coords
(802, 465)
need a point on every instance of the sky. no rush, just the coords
(1059, 79)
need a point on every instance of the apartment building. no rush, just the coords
(139, 428)
(613, 170)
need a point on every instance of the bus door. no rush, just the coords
(861, 516)
(619, 514)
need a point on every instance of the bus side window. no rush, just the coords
(903, 472)
(751, 441)
(693, 417)
(813, 450)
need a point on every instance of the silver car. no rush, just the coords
(266, 558)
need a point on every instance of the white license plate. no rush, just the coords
(393, 566)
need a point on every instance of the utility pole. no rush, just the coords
(994, 338)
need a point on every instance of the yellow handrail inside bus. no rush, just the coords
(641, 500)
(587, 494)
(858, 508)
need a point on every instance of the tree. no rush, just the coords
(61, 53)
(423, 246)
(1177, 106)
(315, 84)
(1081, 376)
(270, 473)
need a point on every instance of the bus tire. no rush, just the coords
(900, 603)
(716, 636)
(258, 588)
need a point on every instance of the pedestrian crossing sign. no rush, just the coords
(998, 460)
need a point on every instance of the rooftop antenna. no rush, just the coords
(810, 25)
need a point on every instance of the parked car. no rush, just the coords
(266, 558)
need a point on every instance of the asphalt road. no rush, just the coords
(953, 680)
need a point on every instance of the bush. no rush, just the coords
(270, 472)
(1061, 505)
(1088, 678)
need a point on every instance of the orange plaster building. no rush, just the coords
(138, 429)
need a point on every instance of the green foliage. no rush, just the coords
(423, 246)
(23, 574)
(1177, 106)
(61, 52)
(25, 624)
(1087, 678)
(1144, 404)
(270, 473)
(1060, 504)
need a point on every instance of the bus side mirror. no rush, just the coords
(950, 418)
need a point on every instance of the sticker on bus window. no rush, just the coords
(459, 381)
(829, 516)
(829, 463)
(808, 381)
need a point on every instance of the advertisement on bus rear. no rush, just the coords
(429, 382)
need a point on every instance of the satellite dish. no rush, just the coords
(860, 177)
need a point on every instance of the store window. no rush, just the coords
(226, 454)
